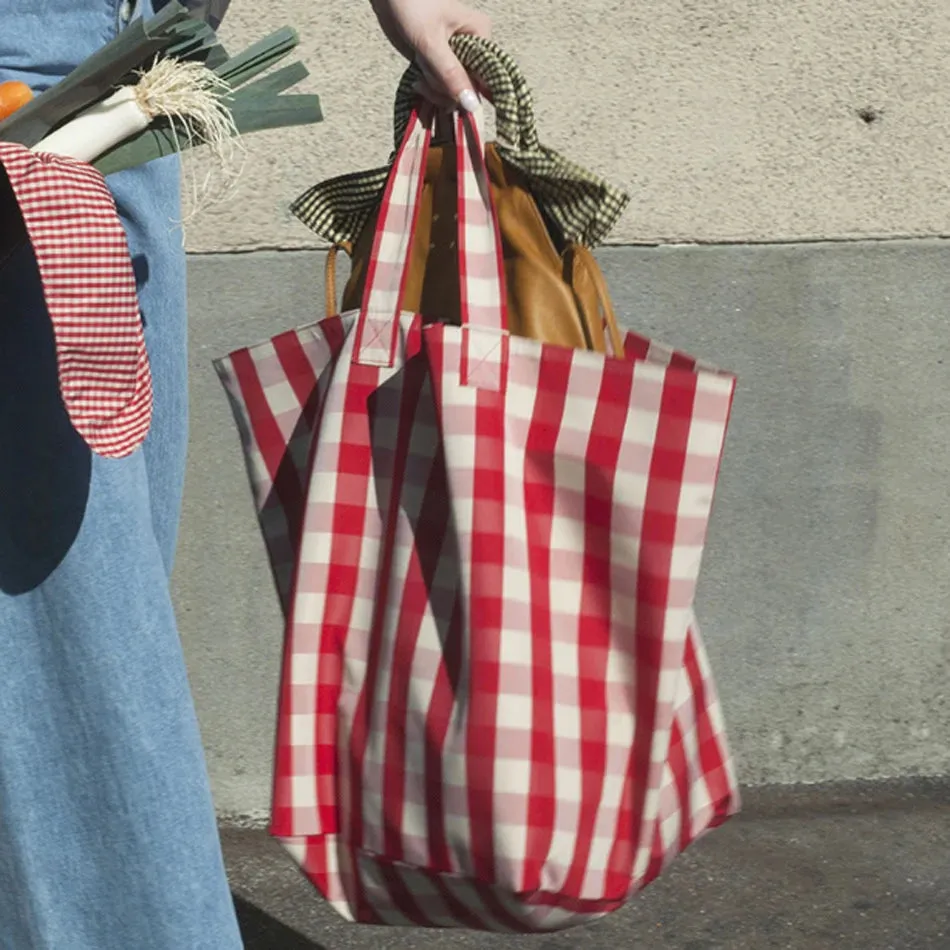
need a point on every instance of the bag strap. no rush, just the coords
(329, 279)
(377, 327)
(584, 260)
(481, 264)
(484, 309)
(508, 90)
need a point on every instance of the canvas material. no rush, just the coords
(496, 710)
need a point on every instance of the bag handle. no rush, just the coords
(481, 266)
(502, 78)
(378, 322)
(329, 280)
(484, 304)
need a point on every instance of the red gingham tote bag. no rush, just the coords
(496, 711)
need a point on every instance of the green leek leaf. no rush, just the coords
(97, 76)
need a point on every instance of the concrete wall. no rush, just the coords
(825, 595)
(728, 120)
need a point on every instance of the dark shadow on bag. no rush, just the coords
(286, 503)
(408, 455)
(260, 931)
(45, 467)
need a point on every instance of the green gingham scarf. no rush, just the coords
(583, 207)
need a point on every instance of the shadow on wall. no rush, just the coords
(260, 931)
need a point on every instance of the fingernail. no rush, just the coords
(468, 100)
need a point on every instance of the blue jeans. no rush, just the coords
(108, 839)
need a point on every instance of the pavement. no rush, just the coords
(857, 866)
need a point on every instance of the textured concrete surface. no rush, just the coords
(824, 596)
(848, 868)
(727, 121)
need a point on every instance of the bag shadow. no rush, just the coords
(409, 459)
(261, 931)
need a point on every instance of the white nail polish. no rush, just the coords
(468, 100)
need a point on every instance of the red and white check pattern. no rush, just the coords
(481, 263)
(378, 327)
(496, 711)
(90, 293)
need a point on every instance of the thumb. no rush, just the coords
(445, 72)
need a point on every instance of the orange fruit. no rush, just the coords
(13, 95)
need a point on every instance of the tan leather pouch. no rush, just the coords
(554, 295)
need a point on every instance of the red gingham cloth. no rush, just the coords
(496, 710)
(89, 287)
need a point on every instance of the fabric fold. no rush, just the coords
(581, 206)
(89, 287)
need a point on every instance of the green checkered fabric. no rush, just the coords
(583, 207)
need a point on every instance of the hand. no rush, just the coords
(421, 30)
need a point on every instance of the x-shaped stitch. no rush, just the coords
(485, 370)
(374, 331)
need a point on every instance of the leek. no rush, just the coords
(187, 94)
(256, 102)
